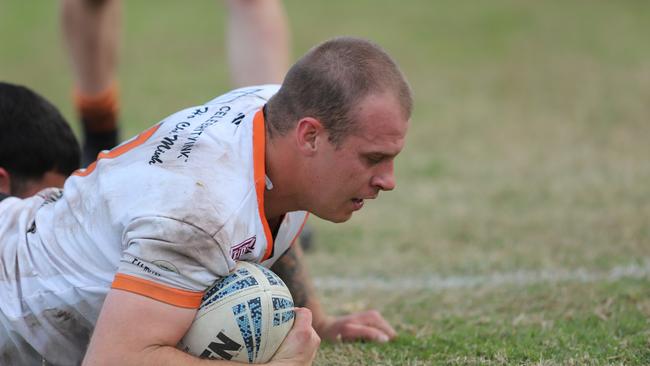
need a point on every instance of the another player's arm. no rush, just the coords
(290, 267)
(137, 330)
(368, 325)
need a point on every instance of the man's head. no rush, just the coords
(331, 80)
(37, 146)
(347, 105)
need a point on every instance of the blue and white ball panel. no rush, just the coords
(238, 281)
(249, 320)
(243, 317)
(273, 279)
(282, 310)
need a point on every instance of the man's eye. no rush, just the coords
(374, 159)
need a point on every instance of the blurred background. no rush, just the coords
(520, 229)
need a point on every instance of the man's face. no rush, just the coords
(362, 165)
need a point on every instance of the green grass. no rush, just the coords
(528, 151)
(546, 324)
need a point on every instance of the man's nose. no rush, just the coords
(385, 180)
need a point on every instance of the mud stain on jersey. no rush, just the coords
(10, 355)
(14, 350)
(74, 336)
(74, 327)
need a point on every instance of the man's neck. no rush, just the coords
(278, 164)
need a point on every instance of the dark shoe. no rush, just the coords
(96, 142)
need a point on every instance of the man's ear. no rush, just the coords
(5, 181)
(309, 134)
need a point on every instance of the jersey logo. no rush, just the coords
(165, 144)
(193, 137)
(242, 248)
(238, 119)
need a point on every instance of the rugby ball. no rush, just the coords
(243, 317)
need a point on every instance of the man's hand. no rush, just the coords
(365, 326)
(368, 325)
(301, 343)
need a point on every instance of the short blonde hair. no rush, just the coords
(332, 78)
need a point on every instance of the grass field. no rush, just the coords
(520, 229)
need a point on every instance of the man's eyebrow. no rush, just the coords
(376, 155)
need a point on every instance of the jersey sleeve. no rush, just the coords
(170, 261)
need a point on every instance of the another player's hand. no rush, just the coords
(365, 326)
(301, 344)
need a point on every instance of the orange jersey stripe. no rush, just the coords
(119, 150)
(259, 136)
(156, 291)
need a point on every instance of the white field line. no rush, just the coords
(435, 282)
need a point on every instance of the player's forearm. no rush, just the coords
(136, 330)
(290, 267)
(168, 355)
(157, 356)
(154, 356)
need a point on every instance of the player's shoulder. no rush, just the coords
(256, 94)
(234, 105)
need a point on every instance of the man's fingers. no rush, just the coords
(301, 344)
(367, 325)
(374, 319)
(302, 328)
(354, 332)
(302, 332)
(303, 317)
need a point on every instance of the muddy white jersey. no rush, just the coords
(162, 215)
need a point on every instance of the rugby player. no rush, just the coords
(127, 249)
